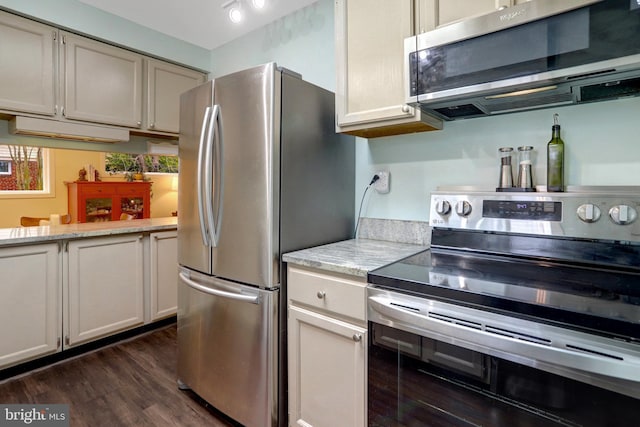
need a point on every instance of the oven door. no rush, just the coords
(423, 372)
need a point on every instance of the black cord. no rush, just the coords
(373, 180)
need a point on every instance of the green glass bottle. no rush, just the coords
(555, 158)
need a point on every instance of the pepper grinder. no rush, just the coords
(506, 175)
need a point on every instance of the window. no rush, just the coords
(140, 163)
(24, 171)
(5, 167)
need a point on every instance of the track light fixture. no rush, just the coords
(234, 9)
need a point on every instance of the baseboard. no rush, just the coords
(45, 361)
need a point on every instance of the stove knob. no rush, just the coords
(443, 207)
(588, 213)
(623, 214)
(463, 208)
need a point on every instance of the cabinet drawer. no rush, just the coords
(335, 294)
(100, 189)
(132, 191)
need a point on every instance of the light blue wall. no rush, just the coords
(79, 17)
(602, 147)
(302, 42)
(602, 139)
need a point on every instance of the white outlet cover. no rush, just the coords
(382, 185)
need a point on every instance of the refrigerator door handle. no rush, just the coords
(253, 299)
(202, 150)
(217, 144)
(208, 177)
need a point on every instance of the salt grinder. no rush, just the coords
(525, 174)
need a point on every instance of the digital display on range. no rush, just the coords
(529, 210)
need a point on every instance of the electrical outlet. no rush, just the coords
(382, 185)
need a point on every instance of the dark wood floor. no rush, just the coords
(132, 383)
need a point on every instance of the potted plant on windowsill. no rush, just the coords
(132, 166)
(140, 168)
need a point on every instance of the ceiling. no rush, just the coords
(203, 23)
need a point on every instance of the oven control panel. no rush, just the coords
(604, 214)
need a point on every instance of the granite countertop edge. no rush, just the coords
(43, 234)
(355, 257)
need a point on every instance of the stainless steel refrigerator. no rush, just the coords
(262, 173)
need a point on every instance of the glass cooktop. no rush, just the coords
(605, 301)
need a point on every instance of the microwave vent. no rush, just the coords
(460, 111)
(592, 74)
(525, 103)
(609, 90)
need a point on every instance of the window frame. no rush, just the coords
(48, 187)
(9, 168)
(122, 174)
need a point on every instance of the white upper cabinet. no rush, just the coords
(101, 83)
(46, 71)
(27, 64)
(165, 83)
(370, 76)
(436, 13)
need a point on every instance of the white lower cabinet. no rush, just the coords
(30, 297)
(104, 287)
(163, 274)
(327, 349)
(84, 290)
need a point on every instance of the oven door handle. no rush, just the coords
(477, 334)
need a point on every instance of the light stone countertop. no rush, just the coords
(355, 257)
(42, 234)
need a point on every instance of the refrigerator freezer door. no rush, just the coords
(227, 346)
(196, 108)
(249, 126)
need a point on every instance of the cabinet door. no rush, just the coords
(134, 199)
(104, 287)
(102, 83)
(370, 98)
(165, 83)
(435, 13)
(30, 301)
(95, 209)
(163, 268)
(27, 54)
(327, 371)
(95, 201)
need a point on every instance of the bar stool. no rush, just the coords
(31, 221)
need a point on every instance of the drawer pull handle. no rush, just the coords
(320, 295)
(357, 337)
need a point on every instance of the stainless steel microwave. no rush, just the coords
(537, 54)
